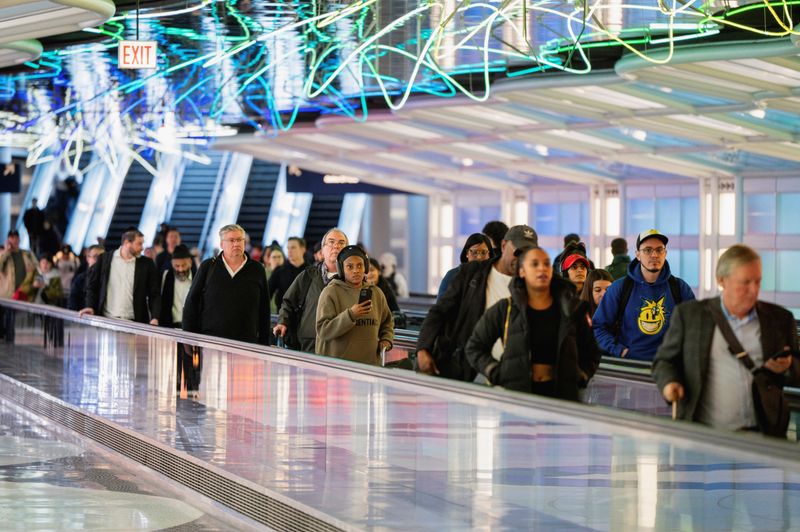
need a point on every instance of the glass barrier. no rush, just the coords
(375, 447)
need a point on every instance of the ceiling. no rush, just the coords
(720, 109)
(487, 96)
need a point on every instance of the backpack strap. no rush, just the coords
(734, 345)
(675, 288)
(625, 296)
(208, 274)
(508, 318)
(305, 286)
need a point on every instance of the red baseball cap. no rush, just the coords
(572, 259)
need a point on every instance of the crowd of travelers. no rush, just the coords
(508, 315)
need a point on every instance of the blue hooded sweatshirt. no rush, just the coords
(646, 316)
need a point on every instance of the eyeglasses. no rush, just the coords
(478, 253)
(654, 251)
(338, 243)
(234, 240)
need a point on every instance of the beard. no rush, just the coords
(182, 276)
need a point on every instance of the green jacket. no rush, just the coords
(619, 266)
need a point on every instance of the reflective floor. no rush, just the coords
(52, 480)
(374, 454)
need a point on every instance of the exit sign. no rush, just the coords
(137, 54)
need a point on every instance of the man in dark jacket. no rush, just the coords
(619, 264)
(77, 290)
(229, 297)
(477, 286)
(124, 284)
(33, 219)
(285, 274)
(171, 240)
(694, 365)
(175, 285)
(299, 306)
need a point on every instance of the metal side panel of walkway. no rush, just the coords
(299, 441)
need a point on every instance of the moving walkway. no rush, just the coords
(293, 440)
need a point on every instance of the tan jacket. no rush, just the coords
(341, 336)
(7, 273)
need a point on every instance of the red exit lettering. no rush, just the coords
(137, 54)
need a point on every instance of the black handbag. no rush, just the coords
(771, 405)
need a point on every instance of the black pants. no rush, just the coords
(7, 324)
(190, 367)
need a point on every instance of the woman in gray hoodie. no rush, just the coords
(347, 328)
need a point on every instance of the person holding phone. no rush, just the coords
(353, 319)
(705, 372)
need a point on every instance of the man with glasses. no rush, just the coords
(635, 312)
(229, 297)
(297, 319)
(722, 354)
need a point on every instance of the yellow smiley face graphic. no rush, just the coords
(652, 316)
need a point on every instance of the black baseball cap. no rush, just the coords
(522, 236)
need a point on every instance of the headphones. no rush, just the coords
(346, 253)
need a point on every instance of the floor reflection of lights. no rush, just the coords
(52, 480)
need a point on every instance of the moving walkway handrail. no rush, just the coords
(771, 450)
(632, 370)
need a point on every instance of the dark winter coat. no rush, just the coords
(577, 355)
(619, 266)
(229, 307)
(450, 322)
(302, 298)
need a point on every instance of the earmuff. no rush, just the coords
(347, 252)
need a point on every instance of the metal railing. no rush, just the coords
(613, 419)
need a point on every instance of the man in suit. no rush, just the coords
(124, 284)
(694, 365)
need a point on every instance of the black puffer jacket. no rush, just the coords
(577, 357)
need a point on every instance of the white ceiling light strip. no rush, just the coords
(609, 97)
(716, 125)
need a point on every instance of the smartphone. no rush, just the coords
(365, 295)
(784, 353)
